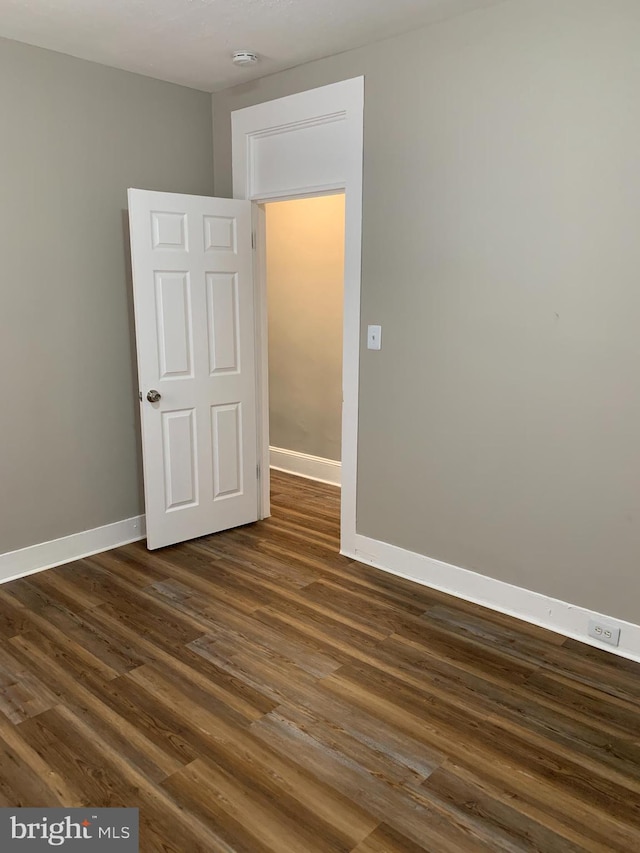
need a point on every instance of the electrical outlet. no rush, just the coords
(604, 632)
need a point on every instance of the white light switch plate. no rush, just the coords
(374, 337)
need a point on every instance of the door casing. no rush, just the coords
(304, 145)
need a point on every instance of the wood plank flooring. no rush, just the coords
(254, 692)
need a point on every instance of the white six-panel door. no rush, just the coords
(194, 315)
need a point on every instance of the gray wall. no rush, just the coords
(74, 136)
(500, 424)
(305, 285)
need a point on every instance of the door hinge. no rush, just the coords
(258, 470)
(253, 240)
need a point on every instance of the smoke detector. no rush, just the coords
(244, 57)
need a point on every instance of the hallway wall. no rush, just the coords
(305, 277)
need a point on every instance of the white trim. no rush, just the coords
(302, 192)
(262, 359)
(305, 465)
(559, 616)
(339, 103)
(46, 555)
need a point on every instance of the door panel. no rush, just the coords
(173, 312)
(180, 458)
(222, 313)
(226, 430)
(194, 312)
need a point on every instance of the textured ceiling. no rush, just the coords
(191, 41)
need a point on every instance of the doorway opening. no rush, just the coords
(306, 145)
(304, 270)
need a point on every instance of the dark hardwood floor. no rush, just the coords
(253, 691)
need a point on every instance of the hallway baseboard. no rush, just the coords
(304, 465)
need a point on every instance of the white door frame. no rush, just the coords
(304, 145)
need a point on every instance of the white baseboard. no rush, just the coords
(311, 467)
(45, 555)
(559, 616)
(570, 620)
